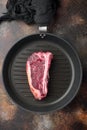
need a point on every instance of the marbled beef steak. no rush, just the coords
(37, 68)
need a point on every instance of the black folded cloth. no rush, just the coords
(30, 11)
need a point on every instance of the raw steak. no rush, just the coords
(37, 68)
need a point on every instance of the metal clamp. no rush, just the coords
(42, 30)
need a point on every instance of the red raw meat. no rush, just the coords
(37, 68)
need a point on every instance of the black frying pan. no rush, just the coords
(65, 73)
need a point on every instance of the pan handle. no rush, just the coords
(45, 11)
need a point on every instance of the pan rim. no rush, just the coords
(80, 80)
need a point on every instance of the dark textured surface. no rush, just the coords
(71, 24)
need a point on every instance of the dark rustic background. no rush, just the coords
(71, 24)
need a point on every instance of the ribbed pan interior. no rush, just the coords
(60, 73)
(15, 71)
